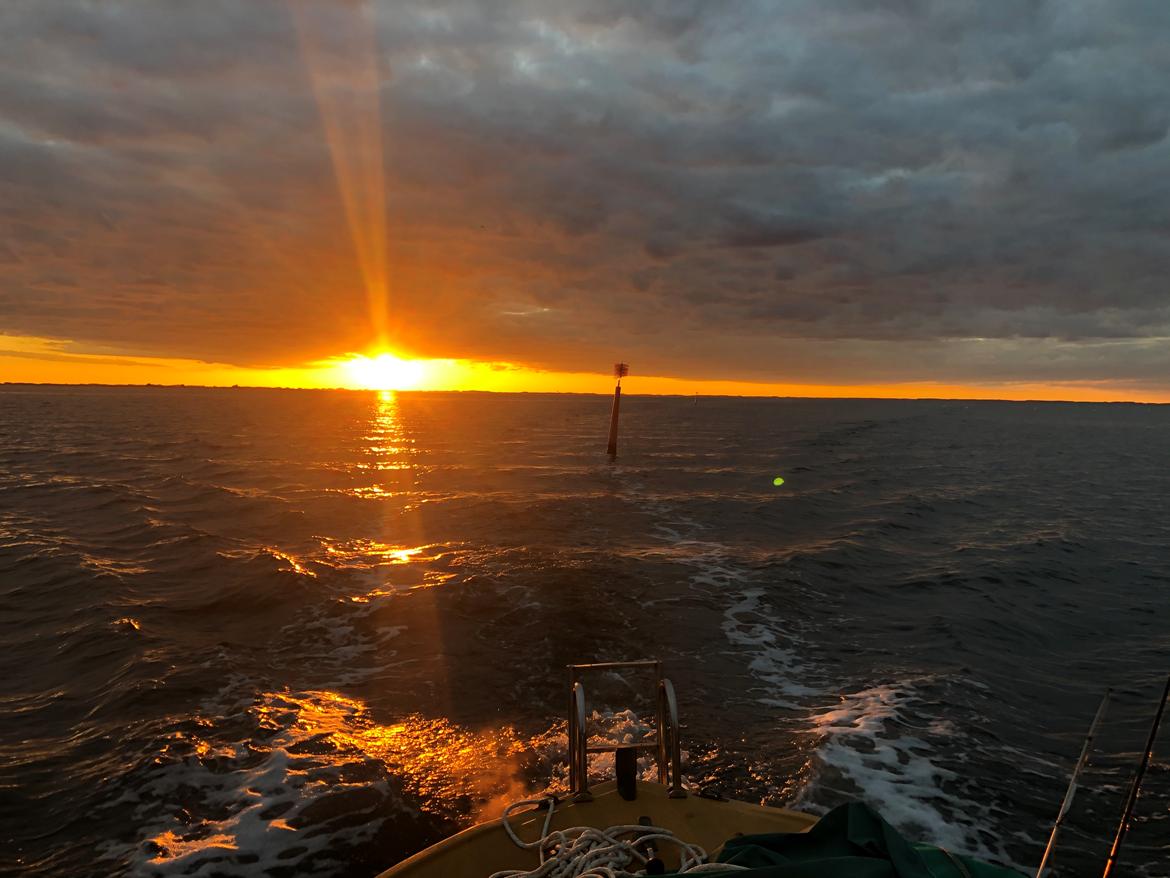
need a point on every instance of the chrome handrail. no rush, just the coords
(578, 751)
(668, 713)
(667, 746)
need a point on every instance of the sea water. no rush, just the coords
(251, 632)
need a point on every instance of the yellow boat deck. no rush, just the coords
(480, 850)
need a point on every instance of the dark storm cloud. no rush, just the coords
(833, 190)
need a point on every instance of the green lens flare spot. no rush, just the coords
(778, 481)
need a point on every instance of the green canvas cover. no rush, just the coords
(851, 841)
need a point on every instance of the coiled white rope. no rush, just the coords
(588, 852)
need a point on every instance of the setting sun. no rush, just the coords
(385, 372)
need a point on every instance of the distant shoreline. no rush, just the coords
(626, 393)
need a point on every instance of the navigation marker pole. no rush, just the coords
(1131, 799)
(1072, 785)
(620, 370)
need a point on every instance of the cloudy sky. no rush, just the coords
(801, 191)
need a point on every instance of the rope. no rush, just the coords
(588, 852)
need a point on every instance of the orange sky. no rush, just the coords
(38, 360)
(257, 195)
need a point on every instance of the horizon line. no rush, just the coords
(152, 385)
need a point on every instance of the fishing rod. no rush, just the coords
(1082, 760)
(1131, 799)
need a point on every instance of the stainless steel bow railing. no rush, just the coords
(666, 746)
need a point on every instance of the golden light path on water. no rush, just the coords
(439, 761)
(309, 740)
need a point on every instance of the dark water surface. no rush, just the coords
(308, 633)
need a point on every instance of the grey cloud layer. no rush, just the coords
(842, 190)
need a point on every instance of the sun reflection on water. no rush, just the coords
(369, 553)
(389, 449)
(290, 752)
(294, 564)
(445, 765)
(170, 845)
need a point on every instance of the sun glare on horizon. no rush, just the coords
(385, 372)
